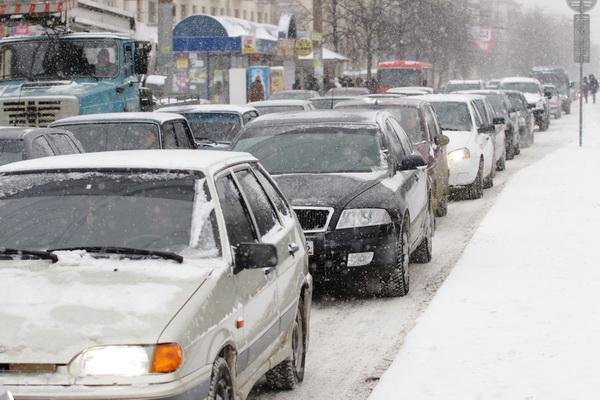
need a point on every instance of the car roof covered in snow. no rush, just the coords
(454, 97)
(193, 160)
(517, 79)
(350, 117)
(282, 102)
(464, 81)
(18, 133)
(156, 117)
(370, 102)
(207, 108)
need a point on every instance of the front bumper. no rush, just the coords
(331, 251)
(194, 386)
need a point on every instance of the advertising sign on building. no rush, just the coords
(483, 38)
(304, 46)
(248, 45)
(259, 83)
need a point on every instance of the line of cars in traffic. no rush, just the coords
(183, 269)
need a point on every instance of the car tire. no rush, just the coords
(501, 164)
(221, 382)
(424, 252)
(568, 110)
(558, 115)
(442, 208)
(398, 282)
(290, 372)
(475, 190)
(511, 149)
(517, 149)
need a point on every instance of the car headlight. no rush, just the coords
(460, 154)
(127, 360)
(355, 218)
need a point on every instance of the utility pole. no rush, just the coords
(317, 38)
(164, 58)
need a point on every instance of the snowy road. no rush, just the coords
(354, 340)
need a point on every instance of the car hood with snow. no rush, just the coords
(52, 312)
(533, 98)
(459, 139)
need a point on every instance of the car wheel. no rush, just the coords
(424, 253)
(475, 189)
(442, 208)
(398, 281)
(511, 148)
(290, 372)
(558, 114)
(518, 149)
(221, 384)
(501, 164)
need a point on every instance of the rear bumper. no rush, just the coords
(333, 249)
(187, 388)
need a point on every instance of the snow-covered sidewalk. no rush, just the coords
(519, 316)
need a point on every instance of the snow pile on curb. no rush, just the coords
(519, 317)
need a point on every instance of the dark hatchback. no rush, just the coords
(18, 144)
(358, 187)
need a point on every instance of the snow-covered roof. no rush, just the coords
(328, 55)
(433, 98)
(195, 160)
(208, 108)
(464, 82)
(517, 79)
(156, 117)
(202, 25)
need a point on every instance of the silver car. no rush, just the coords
(149, 275)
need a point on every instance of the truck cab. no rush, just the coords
(62, 74)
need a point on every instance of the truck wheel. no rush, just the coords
(290, 372)
(221, 384)
(397, 284)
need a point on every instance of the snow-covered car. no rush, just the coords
(526, 119)
(129, 131)
(296, 94)
(215, 125)
(281, 106)
(149, 275)
(554, 100)
(17, 144)
(487, 114)
(456, 85)
(471, 148)
(532, 90)
(492, 84)
(358, 188)
(504, 115)
(420, 123)
(347, 91)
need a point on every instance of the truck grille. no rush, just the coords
(37, 112)
(314, 219)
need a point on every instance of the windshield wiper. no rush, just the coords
(44, 255)
(125, 250)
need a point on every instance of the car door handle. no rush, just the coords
(293, 248)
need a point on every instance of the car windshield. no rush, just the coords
(453, 116)
(395, 77)
(116, 136)
(10, 151)
(456, 87)
(58, 59)
(220, 127)
(292, 95)
(327, 103)
(525, 87)
(497, 103)
(263, 110)
(314, 149)
(135, 209)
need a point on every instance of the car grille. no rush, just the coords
(37, 112)
(314, 219)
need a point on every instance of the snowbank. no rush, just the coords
(519, 317)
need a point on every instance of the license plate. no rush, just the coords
(310, 247)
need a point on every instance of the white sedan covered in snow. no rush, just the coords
(164, 274)
(471, 149)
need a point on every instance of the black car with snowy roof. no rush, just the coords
(358, 187)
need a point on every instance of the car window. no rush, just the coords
(113, 136)
(41, 148)
(480, 106)
(410, 120)
(11, 150)
(274, 194)
(182, 135)
(238, 223)
(399, 141)
(477, 116)
(169, 138)
(62, 144)
(264, 213)
(432, 124)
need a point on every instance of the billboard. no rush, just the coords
(483, 38)
(258, 81)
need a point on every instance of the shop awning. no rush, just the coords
(328, 55)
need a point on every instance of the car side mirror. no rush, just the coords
(441, 140)
(411, 162)
(487, 129)
(255, 256)
(142, 57)
(548, 95)
(499, 121)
